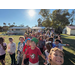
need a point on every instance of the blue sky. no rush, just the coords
(20, 16)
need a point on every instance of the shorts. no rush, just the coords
(2, 57)
(34, 63)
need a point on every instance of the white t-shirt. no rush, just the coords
(11, 47)
(21, 47)
(2, 51)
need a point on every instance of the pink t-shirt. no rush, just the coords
(2, 51)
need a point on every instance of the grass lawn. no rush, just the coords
(69, 51)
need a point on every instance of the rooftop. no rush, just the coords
(71, 27)
(38, 27)
(18, 27)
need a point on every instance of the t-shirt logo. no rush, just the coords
(25, 49)
(32, 56)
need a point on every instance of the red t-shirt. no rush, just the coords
(33, 54)
(24, 50)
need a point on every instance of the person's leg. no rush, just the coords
(18, 58)
(21, 57)
(26, 61)
(11, 59)
(14, 61)
(3, 59)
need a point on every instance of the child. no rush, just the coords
(11, 50)
(52, 36)
(56, 56)
(41, 43)
(20, 50)
(59, 38)
(48, 33)
(33, 52)
(59, 45)
(44, 38)
(30, 36)
(48, 48)
(51, 39)
(3, 47)
(27, 45)
(25, 37)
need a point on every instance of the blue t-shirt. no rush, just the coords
(53, 45)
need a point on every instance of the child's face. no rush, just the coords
(57, 58)
(21, 39)
(48, 47)
(11, 40)
(40, 38)
(33, 44)
(57, 42)
(28, 42)
(58, 37)
(51, 40)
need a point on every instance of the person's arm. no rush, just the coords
(18, 51)
(4, 47)
(24, 57)
(64, 44)
(23, 50)
(15, 46)
(43, 57)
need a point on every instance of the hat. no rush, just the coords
(48, 42)
(28, 39)
(35, 40)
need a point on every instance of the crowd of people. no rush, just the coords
(48, 45)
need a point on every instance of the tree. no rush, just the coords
(39, 22)
(13, 22)
(1, 29)
(46, 23)
(45, 13)
(58, 18)
(21, 25)
(5, 28)
(4, 24)
(36, 25)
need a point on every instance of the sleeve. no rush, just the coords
(8, 48)
(39, 52)
(62, 44)
(4, 44)
(24, 49)
(18, 46)
(44, 54)
(15, 46)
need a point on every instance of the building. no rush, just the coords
(36, 29)
(70, 30)
(18, 30)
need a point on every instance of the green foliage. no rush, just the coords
(58, 18)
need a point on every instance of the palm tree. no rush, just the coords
(13, 22)
(4, 27)
(4, 24)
